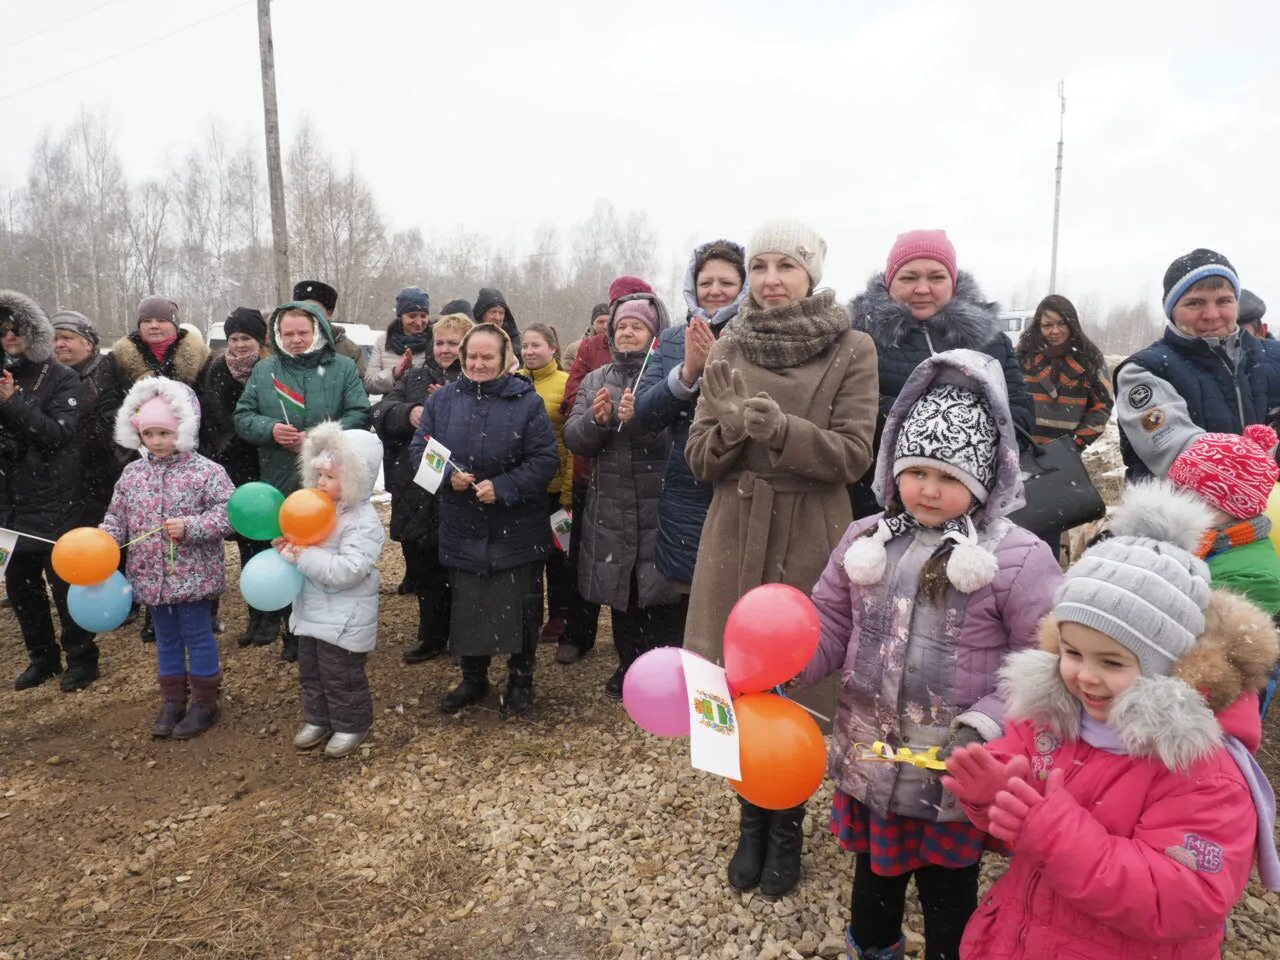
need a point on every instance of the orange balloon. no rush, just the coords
(307, 517)
(85, 556)
(782, 752)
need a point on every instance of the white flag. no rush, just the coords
(562, 529)
(8, 541)
(434, 459)
(713, 724)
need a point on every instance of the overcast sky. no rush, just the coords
(863, 118)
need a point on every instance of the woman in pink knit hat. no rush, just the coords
(920, 305)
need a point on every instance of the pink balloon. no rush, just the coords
(654, 693)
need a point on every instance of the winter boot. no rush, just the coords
(246, 638)
(748, 860)
(289, 649)
(518, 701)
(782, 859)
(173, 693)
(428, 646)
(79, 675)
(204, 711)
(263, 627)
(897, 952)
(473, 688)
(38, 671)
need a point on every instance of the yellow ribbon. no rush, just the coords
(881, 752)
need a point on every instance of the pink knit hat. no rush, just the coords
(642, 310)
(156, 412)
(920, 245)
(1233, 473)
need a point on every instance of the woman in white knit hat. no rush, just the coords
(784, 423)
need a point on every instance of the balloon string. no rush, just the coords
(149, 533)
(779, 691)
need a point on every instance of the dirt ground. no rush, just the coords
(573, 835)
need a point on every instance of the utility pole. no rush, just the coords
(275, 169)
(1057, 188)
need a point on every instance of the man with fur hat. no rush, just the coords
(1205, 375)
(326, 298)
(40, 492)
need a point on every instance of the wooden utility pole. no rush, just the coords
(275, 169)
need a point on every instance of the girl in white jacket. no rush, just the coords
(335, 616)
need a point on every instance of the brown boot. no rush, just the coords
(203, 712)
(173, 691)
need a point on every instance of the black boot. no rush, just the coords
(422, 651)
(265, 628)
(782, 861)
(431, 643)
(473, 688)
(518, 701)
(148, 632)
(748, 860)
(38, 671)
(246, 638)
(79, 675)
(289, 650)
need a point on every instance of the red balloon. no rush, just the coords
(781, 751)
(771, 635)
(307, 517)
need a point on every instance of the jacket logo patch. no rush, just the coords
(71, 401)
(1197, 853)
(1139, 396)
(1153, 420)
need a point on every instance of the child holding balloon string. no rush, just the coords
(335, 615)
(918, 607)
(170, 505)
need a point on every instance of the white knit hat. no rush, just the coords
(797, 240)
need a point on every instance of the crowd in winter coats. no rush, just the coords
(869, 455)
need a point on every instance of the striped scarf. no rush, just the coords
(1221, 539)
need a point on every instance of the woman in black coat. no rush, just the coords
(494, 534)
(220, 388)
(40, 492)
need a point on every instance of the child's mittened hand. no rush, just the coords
(1014, 804)
(975, 776)
(175, 528)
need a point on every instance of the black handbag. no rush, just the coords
(1057, 488)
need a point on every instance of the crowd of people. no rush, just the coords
(1098, 722)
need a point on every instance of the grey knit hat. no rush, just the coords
(1144, 587)
(951, 429)
(77, 323)
(797, 240)
(158, 308)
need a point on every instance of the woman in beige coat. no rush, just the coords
(783, 425)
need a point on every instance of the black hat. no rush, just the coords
(1189, 269)
(456, 306)
(316, 290)
(599, 310)
(246, 320)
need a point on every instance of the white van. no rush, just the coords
(1013, 322)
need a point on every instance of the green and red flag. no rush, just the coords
(288, 395)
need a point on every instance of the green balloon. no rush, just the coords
(254, 511)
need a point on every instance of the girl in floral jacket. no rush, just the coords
(173, 502)
(919, 606)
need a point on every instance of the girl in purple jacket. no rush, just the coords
(173, 502)
(919, 606)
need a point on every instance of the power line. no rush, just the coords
(124, 53)
(56, 26)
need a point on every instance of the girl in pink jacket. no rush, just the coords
(179, 570)
(1125, 784)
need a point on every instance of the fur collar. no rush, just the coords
(968, 322)
(190, 354)
(357, 452)
(180, 398)
(31, 323)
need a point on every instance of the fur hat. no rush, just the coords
(951, 429)
(1189, 269)
(1236, 474)
(920, 245)
(318, 291)
(145, 405)
(797, 240)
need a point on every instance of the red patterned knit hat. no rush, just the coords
(1233, 473)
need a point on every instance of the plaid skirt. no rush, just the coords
(899, 844)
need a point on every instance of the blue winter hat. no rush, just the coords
(412, 300)
(1189, 269)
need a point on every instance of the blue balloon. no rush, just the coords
(269, 581)
(102, 607)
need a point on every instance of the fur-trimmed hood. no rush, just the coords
(725, 313)
(358, 453)
(31, 323)
(968, 322)
(1172, 719)
(181, 399)
(188, 360)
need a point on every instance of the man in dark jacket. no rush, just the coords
(491, 307)
(1205, 375)
(40, 489)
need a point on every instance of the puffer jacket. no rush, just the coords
(909, 670)
(968, 322)
(338, 602)
(593, 353)
(550, 381)
(329, 384)
(40, 490)
(151, 491)
(663, 401)
(1141, 853)
(620, 530)
(415, 514)
(220, 392)
(498, 431)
